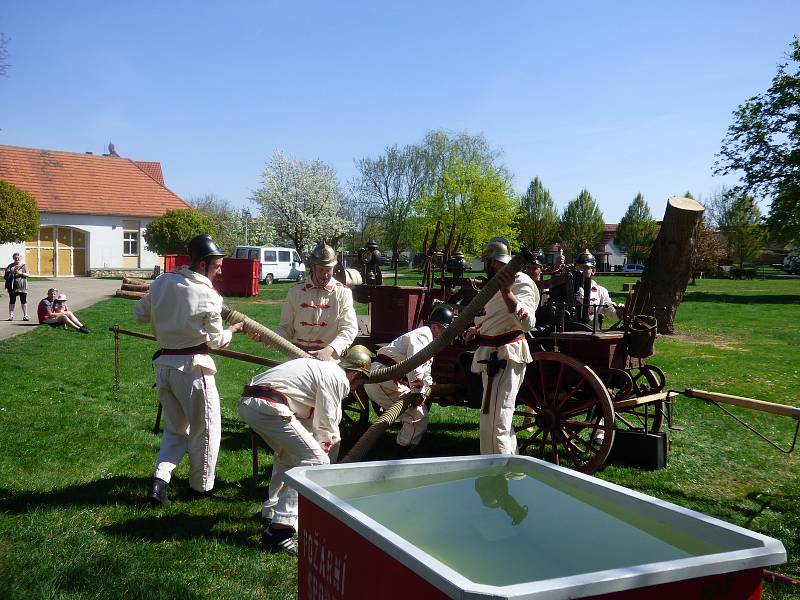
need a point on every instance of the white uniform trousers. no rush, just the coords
(293, 446)
(192, 424)
(497, 433)
(414, 420)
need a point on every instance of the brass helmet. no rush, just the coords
(202, 247)
(539, 258)
(586, 258)
(323, 255)
(357, 358)
(497, 249)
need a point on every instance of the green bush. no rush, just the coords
(170, 233)
(19, 215)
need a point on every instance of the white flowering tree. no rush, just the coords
(301, 201)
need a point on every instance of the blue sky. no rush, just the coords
(616, 97)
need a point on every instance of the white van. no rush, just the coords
(276, 263)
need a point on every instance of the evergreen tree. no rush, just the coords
(637, 230)
(537, 218)
(582, 225)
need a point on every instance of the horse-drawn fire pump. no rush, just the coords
(583, 385)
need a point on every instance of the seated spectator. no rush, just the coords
(53, 311)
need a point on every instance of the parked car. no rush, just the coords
(791, 264)
(276, 263)
(633, 268)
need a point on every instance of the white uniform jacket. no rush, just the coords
(404, 347)
(314, 317)
(311, 390)
(598, 296)
(502, 331)
(184, 310)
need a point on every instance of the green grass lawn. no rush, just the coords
(76, 455)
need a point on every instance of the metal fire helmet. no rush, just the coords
(539, 258)
(202, 247)
(323, 255)
(441, 314)
(497, 249)
(357, 358)
(586, 258)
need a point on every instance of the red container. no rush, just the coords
(239, 275)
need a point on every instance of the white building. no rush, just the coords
(93, 210)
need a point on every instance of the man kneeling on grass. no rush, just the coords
(296, 408)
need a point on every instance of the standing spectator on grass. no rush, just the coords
(318, 315)
(51, 313)
(16, 278)
(184, 311)
(296, 408)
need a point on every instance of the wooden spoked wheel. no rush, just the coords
(355, 419)
(647, 379)
(566, 416)
(619, 384)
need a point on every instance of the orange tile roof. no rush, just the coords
(153, 169)
(70, 182)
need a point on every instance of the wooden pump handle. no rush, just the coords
(769, 407)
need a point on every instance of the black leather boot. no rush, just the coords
(157, 493)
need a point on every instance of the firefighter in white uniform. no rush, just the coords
(183, 310)
(599, 299)
(318, 316)
(502, 349)
(296, 408)
(386, 393)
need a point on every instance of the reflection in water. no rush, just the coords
(493, 490)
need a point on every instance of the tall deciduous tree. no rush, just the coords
(389, 187)
(763, 143)
(744, 231)
(232, 223)
(582, 225)
(709, 248)
(636, 231)
(19, 215)
(171, 232)
(302, 201)
(537, 217)
(467, 187)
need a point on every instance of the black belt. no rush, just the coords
(265, 393)
(199, 349)
(500, 340)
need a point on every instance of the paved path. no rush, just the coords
(81, 292)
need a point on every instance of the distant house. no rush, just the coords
(93, 209)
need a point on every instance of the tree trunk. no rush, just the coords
(670, 264)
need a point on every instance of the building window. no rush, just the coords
(130, 243)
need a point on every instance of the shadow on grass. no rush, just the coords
(129, 491)
(736, 299)
(778, 502)
(183, 527)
